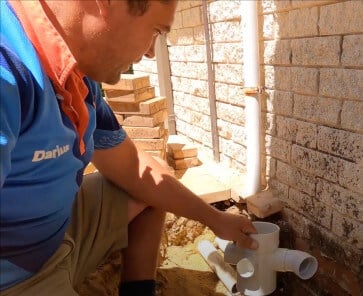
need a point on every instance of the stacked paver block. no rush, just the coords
(140, 112)
(181, 154)
(263, 204)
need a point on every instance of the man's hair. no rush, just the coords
(139, 7)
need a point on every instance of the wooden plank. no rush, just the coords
(130, 96)
(129, 82)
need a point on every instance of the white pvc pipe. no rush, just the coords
(263, 279)
(246, 268)
(256, 270)
(301, 263)
(221, 243)
(233, 253)
(225, 272)
(251, 75)
(251, 64)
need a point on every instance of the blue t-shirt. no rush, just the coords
(41, 166)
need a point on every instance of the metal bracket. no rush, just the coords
(252, 90)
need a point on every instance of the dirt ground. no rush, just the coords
(182, 271)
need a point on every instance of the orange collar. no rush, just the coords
(54, 53)
(57, 60)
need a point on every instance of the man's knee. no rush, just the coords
(135, 207)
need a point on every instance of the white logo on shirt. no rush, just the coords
(49, 154)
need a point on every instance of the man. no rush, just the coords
(57, 226)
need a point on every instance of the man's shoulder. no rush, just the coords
(17, 53)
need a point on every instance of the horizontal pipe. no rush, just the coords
(301, 263)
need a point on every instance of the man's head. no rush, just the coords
(106, 36)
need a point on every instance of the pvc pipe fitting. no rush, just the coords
(298, 262)
(256, 270)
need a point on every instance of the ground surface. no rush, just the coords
(182, 271)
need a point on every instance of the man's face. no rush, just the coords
(123, 39)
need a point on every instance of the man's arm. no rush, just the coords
(146, 180)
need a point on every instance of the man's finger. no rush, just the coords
(248, 228)
(247, 242)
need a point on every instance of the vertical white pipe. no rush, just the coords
(250, 43)
(164, 77)
(251, 70)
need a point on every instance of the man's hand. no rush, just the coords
(138, 173)
(235, 228)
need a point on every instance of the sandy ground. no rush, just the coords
(186, 273)
(182, 271)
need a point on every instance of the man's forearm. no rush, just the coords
(147, 180)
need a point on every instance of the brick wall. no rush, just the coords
(312, 67)
(148, 67)
(190, 77)
(312, 115)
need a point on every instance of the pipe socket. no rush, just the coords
(298, 262)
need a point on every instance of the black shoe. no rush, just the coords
(137, 288)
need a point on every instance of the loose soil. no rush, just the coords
(182, 270)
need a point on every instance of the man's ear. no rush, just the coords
(102, 7)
